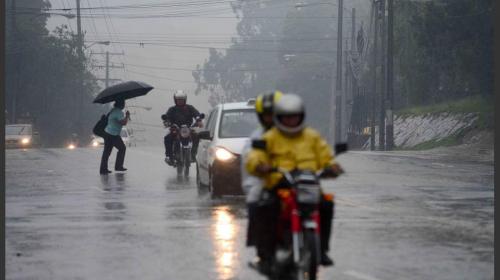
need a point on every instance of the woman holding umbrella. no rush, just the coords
(116, 120)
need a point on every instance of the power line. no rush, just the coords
(242, 70)
(124, 58)
(219, 41)
(143, 44)
(157, 5)
(159, 77)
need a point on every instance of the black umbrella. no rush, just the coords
(123, 91)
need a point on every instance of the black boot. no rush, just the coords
(326, 260)
(327, 209)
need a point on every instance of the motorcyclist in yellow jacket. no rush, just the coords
(291, 145)
(252, 185)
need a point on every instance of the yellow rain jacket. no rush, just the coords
(306, 151)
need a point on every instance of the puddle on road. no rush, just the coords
(223, 232)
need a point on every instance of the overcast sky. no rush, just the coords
(155, 35)
(156, 24)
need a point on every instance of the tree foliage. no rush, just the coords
(278, 48)
(443, 50)
(44, 73)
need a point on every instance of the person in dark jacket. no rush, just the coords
(180, 114)
(116, 120)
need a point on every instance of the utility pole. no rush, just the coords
(381, 127)
(338, 89)
(79, 27)
(15, 70)
(353, 84)
(374, 81)
(79, 99)
(108, 66)
(107, 69)
(347, 84)
(353, 29)
(390, 73)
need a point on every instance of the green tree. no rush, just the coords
(443, 50)
(291, 50)
(43, 72)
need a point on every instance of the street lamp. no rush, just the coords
(300, 5)
(97, 42)
(141, 107)
(68, 16)
(288, 57)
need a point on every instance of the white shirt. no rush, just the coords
(251, 185)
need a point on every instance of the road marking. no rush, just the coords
(352, 203)
(359, 275)
(441, 164)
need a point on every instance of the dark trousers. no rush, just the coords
(326, 213)
(111, 141)
(265, 225)
(170, 139)
(263, 219)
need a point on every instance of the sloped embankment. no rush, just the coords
(431, 130)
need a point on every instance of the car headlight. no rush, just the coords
(223, 154)
(25, 141)
(71, 146)
(95, 143)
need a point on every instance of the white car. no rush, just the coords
(218, 158)
(127, 137)
(20, 136)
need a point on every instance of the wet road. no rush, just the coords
(398, 216)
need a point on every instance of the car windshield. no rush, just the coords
(17, 130)
(237, 123)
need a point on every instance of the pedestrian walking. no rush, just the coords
(116, 120)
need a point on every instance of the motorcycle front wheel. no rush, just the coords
(308, 266)
(180, 168)
(187, 161)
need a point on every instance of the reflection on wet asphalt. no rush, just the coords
(397, 217)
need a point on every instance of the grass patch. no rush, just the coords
(472, 104)
(483, 106)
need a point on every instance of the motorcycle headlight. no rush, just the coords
(95, 143)
(223, 154)
(71, 146)
(25, 141)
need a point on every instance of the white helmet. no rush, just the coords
(289, 104)
(180, 95)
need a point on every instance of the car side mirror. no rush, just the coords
(205, 134)
(340, 148)
(259, 144)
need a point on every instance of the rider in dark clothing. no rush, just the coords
(180, 114)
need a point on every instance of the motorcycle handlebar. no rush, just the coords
(323, 173)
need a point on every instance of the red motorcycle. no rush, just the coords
(298, 252)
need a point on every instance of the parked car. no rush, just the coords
(96, 141)
(127, 137)
(20, 136)
(218, 158)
